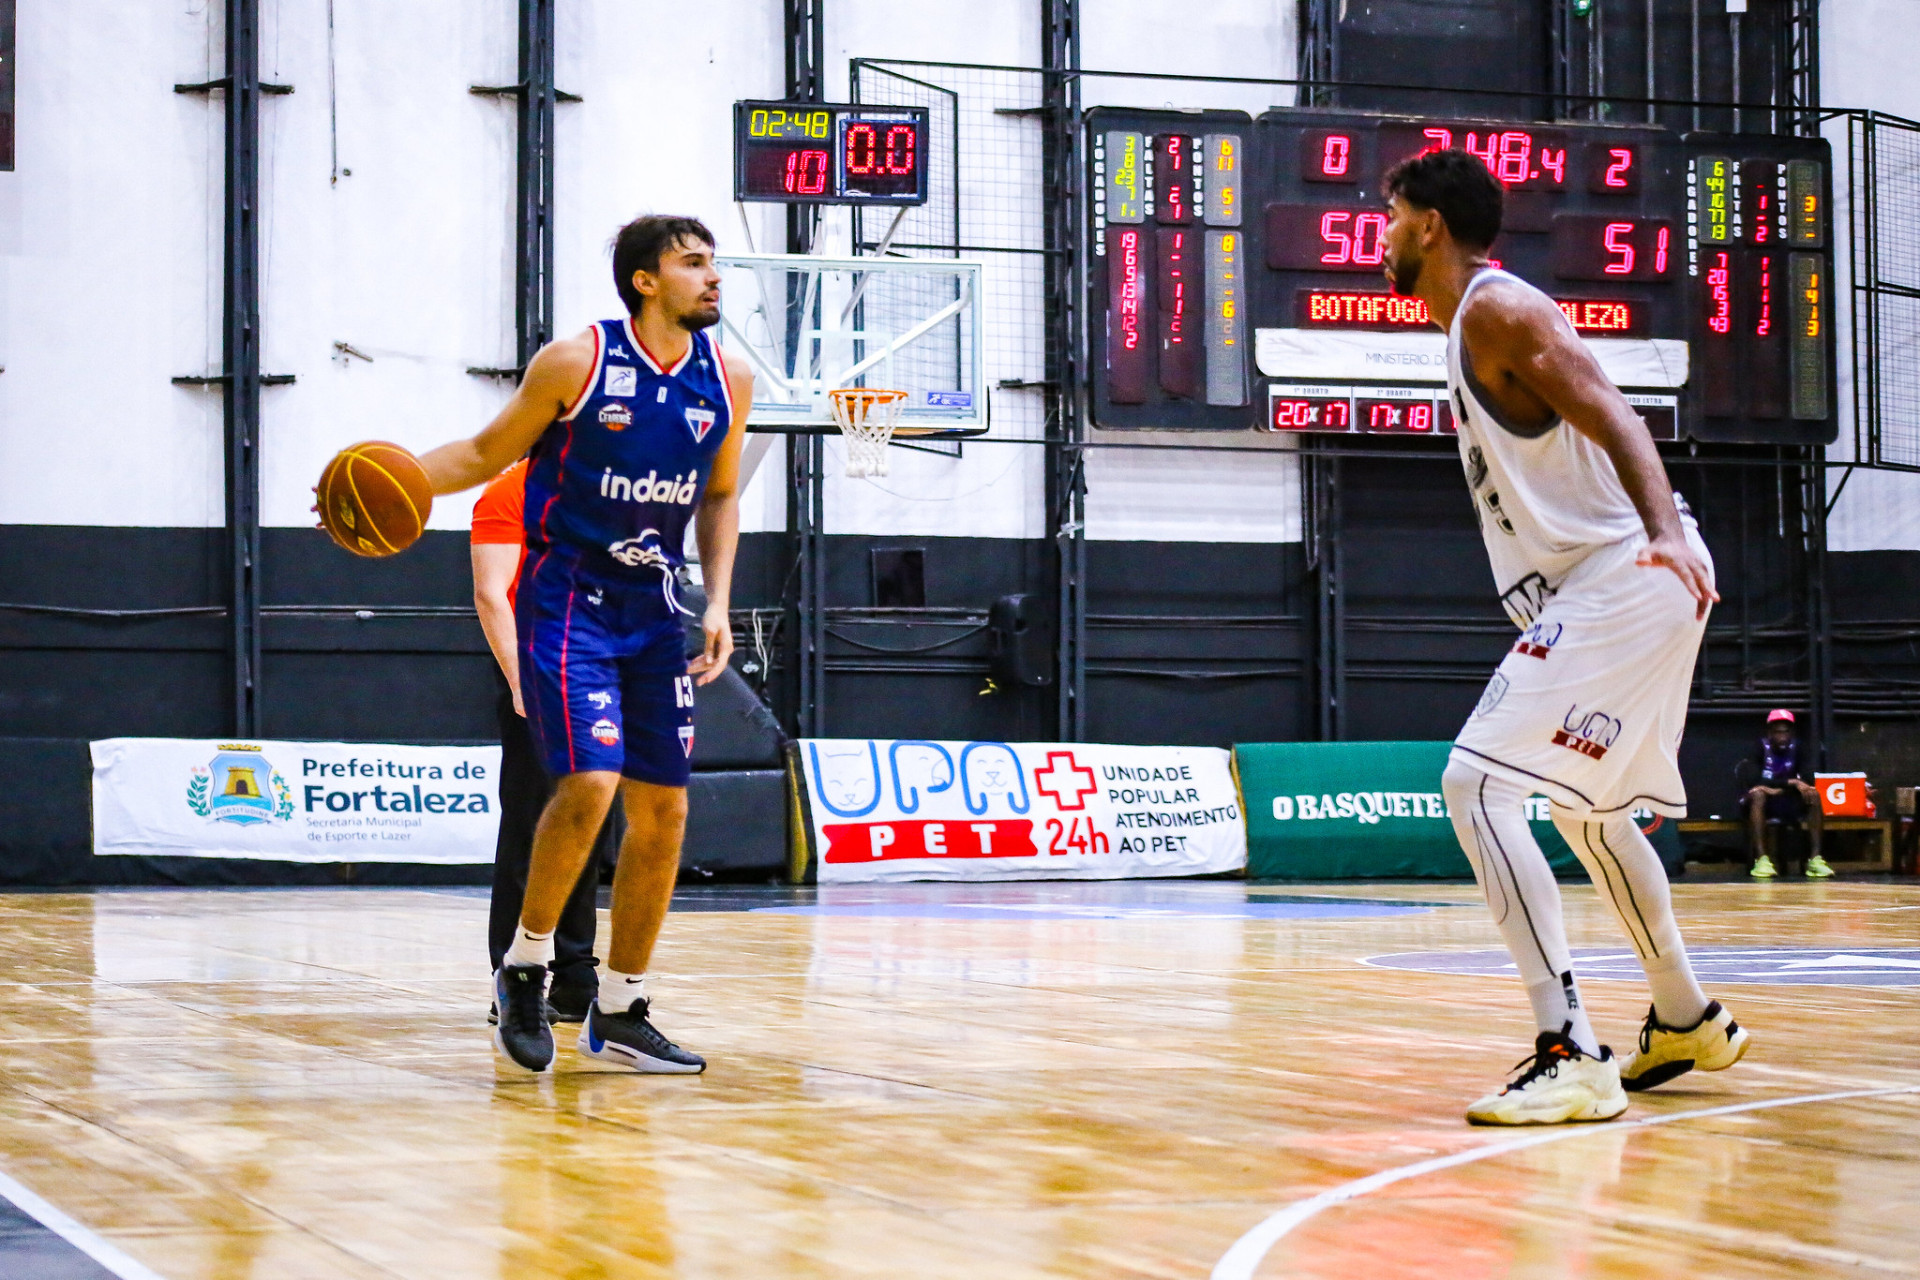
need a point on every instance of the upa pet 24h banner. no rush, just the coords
(294, 801)
(906, 809)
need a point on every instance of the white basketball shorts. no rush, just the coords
(1589, 706)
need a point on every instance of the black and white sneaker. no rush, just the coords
(553, 1014)
(631, 1040)
(522, 1033)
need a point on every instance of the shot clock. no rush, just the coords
(822, 153)
(1700, 266)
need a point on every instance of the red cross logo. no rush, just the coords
(1068, 784)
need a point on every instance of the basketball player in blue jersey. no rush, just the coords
(1598, 563)
(634, 427)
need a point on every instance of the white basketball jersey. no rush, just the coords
(1546, 498)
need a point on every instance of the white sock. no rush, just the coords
(529, 948)
(1632, 882)
(618, 991)
(1490, 819)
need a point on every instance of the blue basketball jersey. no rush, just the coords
(616, 477)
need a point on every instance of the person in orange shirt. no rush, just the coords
(498, 548)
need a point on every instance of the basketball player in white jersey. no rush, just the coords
(1599, 564)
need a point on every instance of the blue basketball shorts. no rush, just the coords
(603, 675)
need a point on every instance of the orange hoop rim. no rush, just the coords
(870, 395)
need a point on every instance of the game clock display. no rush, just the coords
(821, 153)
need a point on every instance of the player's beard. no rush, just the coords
(1405, 275)
(700, 318)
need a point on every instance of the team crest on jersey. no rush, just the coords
(700, 421)
(686, 740)
(606, 732)
(1590, 732)
(1495, 691)
(1537, 641)
(616, 417)
(622, 380)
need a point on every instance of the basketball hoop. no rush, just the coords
(866, 417)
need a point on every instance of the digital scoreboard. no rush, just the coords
(1698, 267)
(829, 153)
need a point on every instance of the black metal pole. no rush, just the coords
(1065, 430)
(805, 33)
(240, 343)
(1325, 534)
(533, 231)
(1819, 612)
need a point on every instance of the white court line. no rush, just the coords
(1238, 1263)
(74, 1234)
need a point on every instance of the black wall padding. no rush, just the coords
(732, 728)
(46, 820)
(736, 821)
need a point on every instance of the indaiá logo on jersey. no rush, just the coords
(650, 488)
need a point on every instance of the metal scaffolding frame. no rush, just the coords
(1580, 84)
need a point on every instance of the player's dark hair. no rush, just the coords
(1470, 199)
(638, 246)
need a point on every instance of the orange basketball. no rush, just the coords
(374, 498)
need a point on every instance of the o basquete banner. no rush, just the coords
(904, 809)
(294, 801)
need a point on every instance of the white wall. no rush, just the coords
(1867, 48)
(110, 270)
(112, 225)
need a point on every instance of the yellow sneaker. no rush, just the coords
(1763, 868)
(1714, 1043)
(1559, 1084)
(1817, 868)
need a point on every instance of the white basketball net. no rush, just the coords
(866, 417)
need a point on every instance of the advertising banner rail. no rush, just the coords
(911, 809)
(1373, 810)
(294, 801)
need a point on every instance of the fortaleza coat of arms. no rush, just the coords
(239, 785)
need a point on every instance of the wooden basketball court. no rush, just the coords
(1006, 1081)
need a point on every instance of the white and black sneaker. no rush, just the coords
(632, 1040)
(522, 1033)
(1714, 1043)
(1560, 1084)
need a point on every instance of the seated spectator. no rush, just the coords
(1778, 790)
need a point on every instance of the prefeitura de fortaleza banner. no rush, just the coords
(905, 809)
(294, 801)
